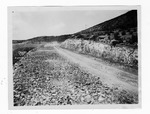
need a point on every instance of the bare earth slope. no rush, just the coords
(109, 75)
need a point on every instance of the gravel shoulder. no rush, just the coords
(53, 76)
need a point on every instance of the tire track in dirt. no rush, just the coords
(109, 75)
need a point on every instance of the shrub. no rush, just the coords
(123, 55)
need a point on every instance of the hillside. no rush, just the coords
(122, 29)
(41, 39)
(17, 41)
(125, 21)
(60, 38)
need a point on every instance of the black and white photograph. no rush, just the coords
(81, 56)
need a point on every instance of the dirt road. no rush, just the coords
(55, 76)
(108, 74)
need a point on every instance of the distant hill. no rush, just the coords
(18, 41)
(39, 39)
(122, 28)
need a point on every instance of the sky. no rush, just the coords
(29, 24)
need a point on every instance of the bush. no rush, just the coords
(121, 55)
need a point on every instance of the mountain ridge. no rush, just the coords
(125, 16)
(123, 23)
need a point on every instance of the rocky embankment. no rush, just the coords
(43, 77)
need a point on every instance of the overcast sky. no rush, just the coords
(29, 24)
